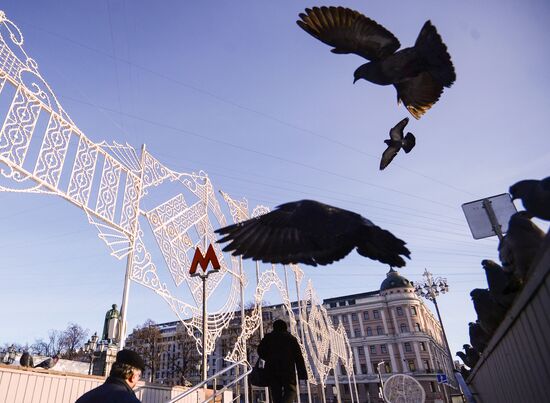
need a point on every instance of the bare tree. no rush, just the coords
(186, 358)
(145, 340)
(74, 337)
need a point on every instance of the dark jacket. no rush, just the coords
(282, 356)
(114, 390)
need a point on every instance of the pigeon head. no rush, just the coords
(522, 188)
(371, 72)
(479, 293)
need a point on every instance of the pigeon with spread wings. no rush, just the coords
(418, 73)
(311, 233)
(397, 142)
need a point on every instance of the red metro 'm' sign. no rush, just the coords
(210, 257)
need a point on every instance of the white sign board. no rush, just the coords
(478, 217)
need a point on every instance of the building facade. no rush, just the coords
(390, 330)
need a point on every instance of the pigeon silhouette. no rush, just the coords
(396, 142)
(48, 363)
(26, 360)
(311, 233)
(503, 285)
(478, 337)
(418, 73)
(469, 357)
(519, 247)
(534, 195)
(489, 313)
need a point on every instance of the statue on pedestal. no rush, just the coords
(110, 326)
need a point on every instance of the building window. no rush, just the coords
(366, 315)
(356, 332)
(413, 311)
(354, 316)
(399, 311)
(364, 368)
(422, 346)
(432, 387)
(372, 349)
(332, 304)
(403, 328)
(412, 367)
(383, 348)
(379, 330)
(387, 367)
(345, 318)
(369, 331)
(417, 326)
(360, 351)
(408, 348)
(427, 366)
(376, 314)
(351, 302)
(342, 369)
(341, 303)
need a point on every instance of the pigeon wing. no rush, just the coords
(419, 93)
(388, 155)
(409, 142)
(348, 31)
(396, 133)
(299, 232)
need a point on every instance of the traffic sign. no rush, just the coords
(442, 378)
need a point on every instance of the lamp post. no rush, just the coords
(381, 381)
(89, 348)
(430, 289)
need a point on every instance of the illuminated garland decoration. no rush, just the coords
(111, 184)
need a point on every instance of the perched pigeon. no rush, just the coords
(312, 233)
(26, 360)
(48, 363)
(534, 195)
(478, 337)
(503, 285)
(418, 73)
(396, 142)
(469, 357)
(489, 313)
(465, 372)
(520, 245)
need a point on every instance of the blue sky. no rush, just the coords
(238, 90)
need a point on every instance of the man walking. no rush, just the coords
(283, 358)
(124, 376)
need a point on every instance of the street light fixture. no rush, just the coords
(430, 289)
(381, 381)
(89, 348)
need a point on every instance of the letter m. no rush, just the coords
(210, 257)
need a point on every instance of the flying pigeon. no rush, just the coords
(48, 363)
(478, 337)
(534, 195)
(503, 285)
(418, 73)
(312, 233)
(396, 142)
(26, 360)
(518, 248)
(489, 313)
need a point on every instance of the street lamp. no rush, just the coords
(380, 378)
(430, 289)
(89, 348)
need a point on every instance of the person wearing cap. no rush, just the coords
(283, 360)
(118, 388)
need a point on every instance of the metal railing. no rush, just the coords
(246, 370)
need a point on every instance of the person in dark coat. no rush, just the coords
(283, 358)
(124, 376)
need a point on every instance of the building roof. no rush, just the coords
(395, 280)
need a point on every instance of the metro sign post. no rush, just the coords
(203, 261)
